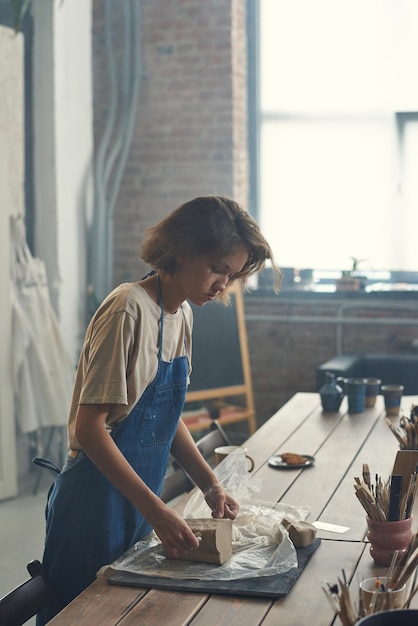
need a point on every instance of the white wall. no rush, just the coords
(63, 152)
(62, 136)
(11, 203)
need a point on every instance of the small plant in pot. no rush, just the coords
(350, 279)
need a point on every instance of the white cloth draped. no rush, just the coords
(43, 372)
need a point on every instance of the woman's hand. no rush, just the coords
(187, 454)
(221, 504)
(174, 533)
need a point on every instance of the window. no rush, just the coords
(338, 130)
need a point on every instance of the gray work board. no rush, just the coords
(267, 586)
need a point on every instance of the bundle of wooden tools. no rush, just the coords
(388, 501)
(407, 431)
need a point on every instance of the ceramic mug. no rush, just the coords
(355, 389)
(222, 452)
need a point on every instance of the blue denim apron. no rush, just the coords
(89, 522)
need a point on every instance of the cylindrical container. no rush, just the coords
(402, 617)
(372, 391)
(392, 395)
(386, 537)
(355, 388)
(386, 599)
(331, 393)
(222, 452)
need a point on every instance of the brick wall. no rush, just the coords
(190, 134)
(190, 139)
(288, 337)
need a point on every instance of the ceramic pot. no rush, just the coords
(386, 537)
(331, 393)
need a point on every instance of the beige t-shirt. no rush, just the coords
(119, 358)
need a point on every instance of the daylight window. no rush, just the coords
(339, 132)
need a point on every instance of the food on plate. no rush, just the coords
(290, 458)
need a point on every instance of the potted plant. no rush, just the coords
(350, 279)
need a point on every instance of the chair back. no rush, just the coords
(26, 600)
(175, 483)
(212, 440)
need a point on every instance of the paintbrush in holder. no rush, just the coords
(388, 507)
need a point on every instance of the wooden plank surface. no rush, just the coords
(99, 604)
(307, 604)
(307, 440)
(220, 611)
(340, 443)
(334, 441)
(332, 460)
(164, 607)
(266, 440)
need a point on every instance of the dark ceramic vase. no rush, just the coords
(331, 393)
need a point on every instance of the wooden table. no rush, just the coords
(340, 443)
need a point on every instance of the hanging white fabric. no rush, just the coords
(43, 372)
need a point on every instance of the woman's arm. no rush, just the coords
(185, 451)
(97, 443)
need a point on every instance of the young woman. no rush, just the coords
(129, 393)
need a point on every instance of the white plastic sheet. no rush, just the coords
(260, 544)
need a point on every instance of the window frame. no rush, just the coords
(256, 118)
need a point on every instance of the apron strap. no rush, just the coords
(161, 304)
(46, 464)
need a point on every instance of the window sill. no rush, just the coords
(390, 291)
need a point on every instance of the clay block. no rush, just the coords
(216, 541)
(301, 534)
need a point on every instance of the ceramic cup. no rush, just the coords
(222, 452)
(392, 395)
(386, 537)
(372, 391)
(393, 599)
(355, 389)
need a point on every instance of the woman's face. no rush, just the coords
(200, 280)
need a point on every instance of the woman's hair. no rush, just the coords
(210, 225)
